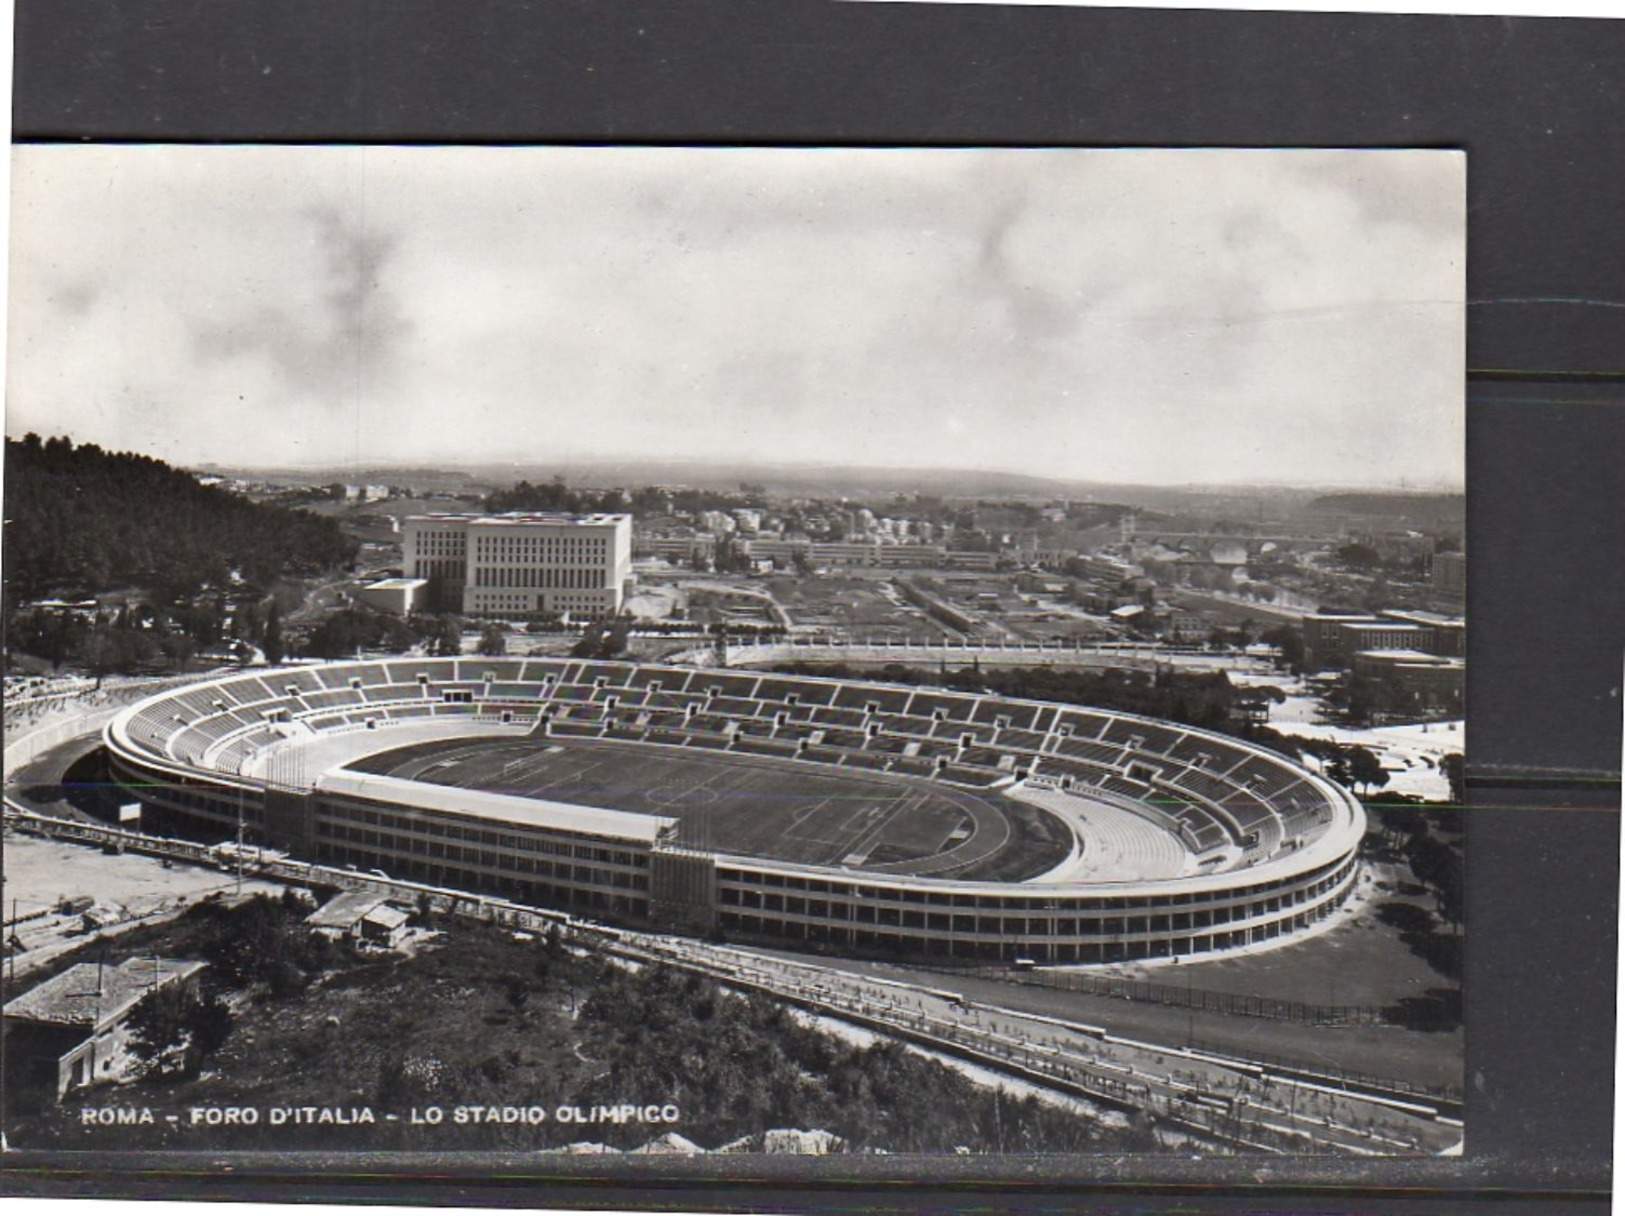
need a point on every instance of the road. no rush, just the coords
(1195, 1096)
(1212, 1098)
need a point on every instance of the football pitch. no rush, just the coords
(786, 810)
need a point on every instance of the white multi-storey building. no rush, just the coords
(522, 564)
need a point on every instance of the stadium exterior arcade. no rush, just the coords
(1269, 848)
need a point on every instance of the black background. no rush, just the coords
(1539, 105)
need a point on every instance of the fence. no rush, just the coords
(1183, 997)
(1449, 1094)
(519, 916)
(64, 716)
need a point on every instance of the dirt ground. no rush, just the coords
(40, 873)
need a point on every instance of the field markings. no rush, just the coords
(757, 802)
(870, 837)
(830, 825)
(978, 846)
(803, 817)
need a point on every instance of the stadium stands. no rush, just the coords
(1233, 808)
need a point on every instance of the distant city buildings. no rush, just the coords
(1449, 574)
(1405, 546)
(885, 549)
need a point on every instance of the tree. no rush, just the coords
(1357, 556)
(399, 636)
(517, 990)
(493, 640)
(446, 637)
(1438, 867)
(263, 941)
(178, 648)
(106, 650)
(87, 519)
(210, 1025)
(245, 621)
(173, 1029)
(1455, 772)
(1365, 770)
(157, 1029)
(1252, 704)
(342, 633)
(1401, 823)
(1289, 640)
(1338, 767)
(732, 557)
(603, 639)
(272, 644)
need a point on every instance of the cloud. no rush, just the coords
(347, 332)
(1146, 315)
(77, 297)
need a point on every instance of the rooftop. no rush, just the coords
(521, 518)
(1421, 617)
(387, 917)
(1410, 658)
(345, 910)
(499, 808)
(92, 994)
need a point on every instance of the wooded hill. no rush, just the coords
(83, 520)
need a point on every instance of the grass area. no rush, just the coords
(1360, 960)
(1424, 1058)
(483, 1021)
(1038, 842)
(754, 806)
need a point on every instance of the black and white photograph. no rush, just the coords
(740, 651)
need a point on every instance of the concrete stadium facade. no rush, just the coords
(1273, 848)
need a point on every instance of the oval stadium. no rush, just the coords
(862, 816)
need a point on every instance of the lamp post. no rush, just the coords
(1190, 1012)
(242, 798)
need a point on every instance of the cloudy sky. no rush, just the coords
(1142, 316)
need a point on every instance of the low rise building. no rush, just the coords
(73, 1031)
(1105, 568)
(1332, 639)
(684, 548)
(1446, 635)
(1410, 682)
(360, 916)
(402, 596)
